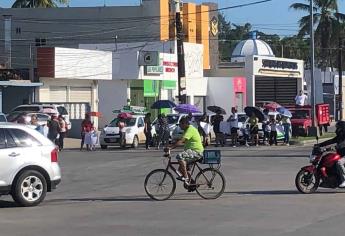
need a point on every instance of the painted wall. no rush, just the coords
(125, 59)
(220, 92)
(83, 64)
(112, 95)
(15, 96)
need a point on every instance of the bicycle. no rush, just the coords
(209, 183)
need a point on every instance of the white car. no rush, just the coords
(110, 135)
(177, 132)
(28, 164)
(3, 117)
(45, 108)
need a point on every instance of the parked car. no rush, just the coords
(273, 114)
(110, 135)
(28, 164)
(48, 109)
(3, 117)
(41, 117)
(177, 132)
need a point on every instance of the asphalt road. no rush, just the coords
(102, 194)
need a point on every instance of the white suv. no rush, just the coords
(45, 108)
(28, 164)
(110, 135)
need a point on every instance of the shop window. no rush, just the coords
(40, 42)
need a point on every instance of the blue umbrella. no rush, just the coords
(186, 108)
(284, 112)
(163, 104)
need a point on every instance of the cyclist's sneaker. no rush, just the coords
(181, 178)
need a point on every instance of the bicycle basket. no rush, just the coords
(211, 157)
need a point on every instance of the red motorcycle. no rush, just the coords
(321, 173)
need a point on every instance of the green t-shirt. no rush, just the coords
(193, 140)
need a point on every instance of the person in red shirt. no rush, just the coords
(86, 126)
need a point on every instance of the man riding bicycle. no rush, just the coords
(193, 148)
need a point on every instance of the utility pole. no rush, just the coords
(340, 70)
(314, 130)
(180, 53)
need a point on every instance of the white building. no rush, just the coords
(71, 77)
(143, 83)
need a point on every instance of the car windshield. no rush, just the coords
(128, 121)
(2, 118)
(27, 108)
(300, 114)
(13, 115)
(172, 119)
(62, 110)
(242, 118)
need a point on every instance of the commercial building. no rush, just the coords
(25, 30)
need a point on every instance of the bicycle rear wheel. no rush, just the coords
(210, 183)
(160, 185)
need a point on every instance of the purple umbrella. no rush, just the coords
(186, 108)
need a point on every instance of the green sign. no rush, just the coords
(155, 70)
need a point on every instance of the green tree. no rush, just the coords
(327, 25)
(38, 3)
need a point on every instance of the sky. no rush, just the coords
(270, 17)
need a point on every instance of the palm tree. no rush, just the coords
(38, 3)
(327, 21)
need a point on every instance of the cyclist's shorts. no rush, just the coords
(189, 156)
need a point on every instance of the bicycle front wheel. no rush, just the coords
(210, 183)
(160, 185)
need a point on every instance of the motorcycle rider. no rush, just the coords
(339, 139)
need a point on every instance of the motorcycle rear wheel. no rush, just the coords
(306, 182)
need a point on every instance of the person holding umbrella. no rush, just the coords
(286, 114)
(147, 130)
(254, 129)
(163, 131)
(217, 119)
(233, 119)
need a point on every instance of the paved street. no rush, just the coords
(102, 194)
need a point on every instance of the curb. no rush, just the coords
(307, 142)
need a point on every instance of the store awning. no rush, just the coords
(20, 83)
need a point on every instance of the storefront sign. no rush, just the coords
(274, 64)
(154, 70)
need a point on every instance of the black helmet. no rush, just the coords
(340, 128)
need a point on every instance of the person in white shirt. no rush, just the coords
(301, 99)
(233, 119)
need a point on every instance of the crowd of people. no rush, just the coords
(250, 131)
(55, 129)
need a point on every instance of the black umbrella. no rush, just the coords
(163, 104)
(250, 110)
(217, 109)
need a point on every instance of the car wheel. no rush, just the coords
(135, 142)
(104, 146)
(29, 189)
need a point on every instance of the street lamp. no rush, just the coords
(314, 130)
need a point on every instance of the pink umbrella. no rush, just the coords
(49, 111)
(124, 115)
(272, 106)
